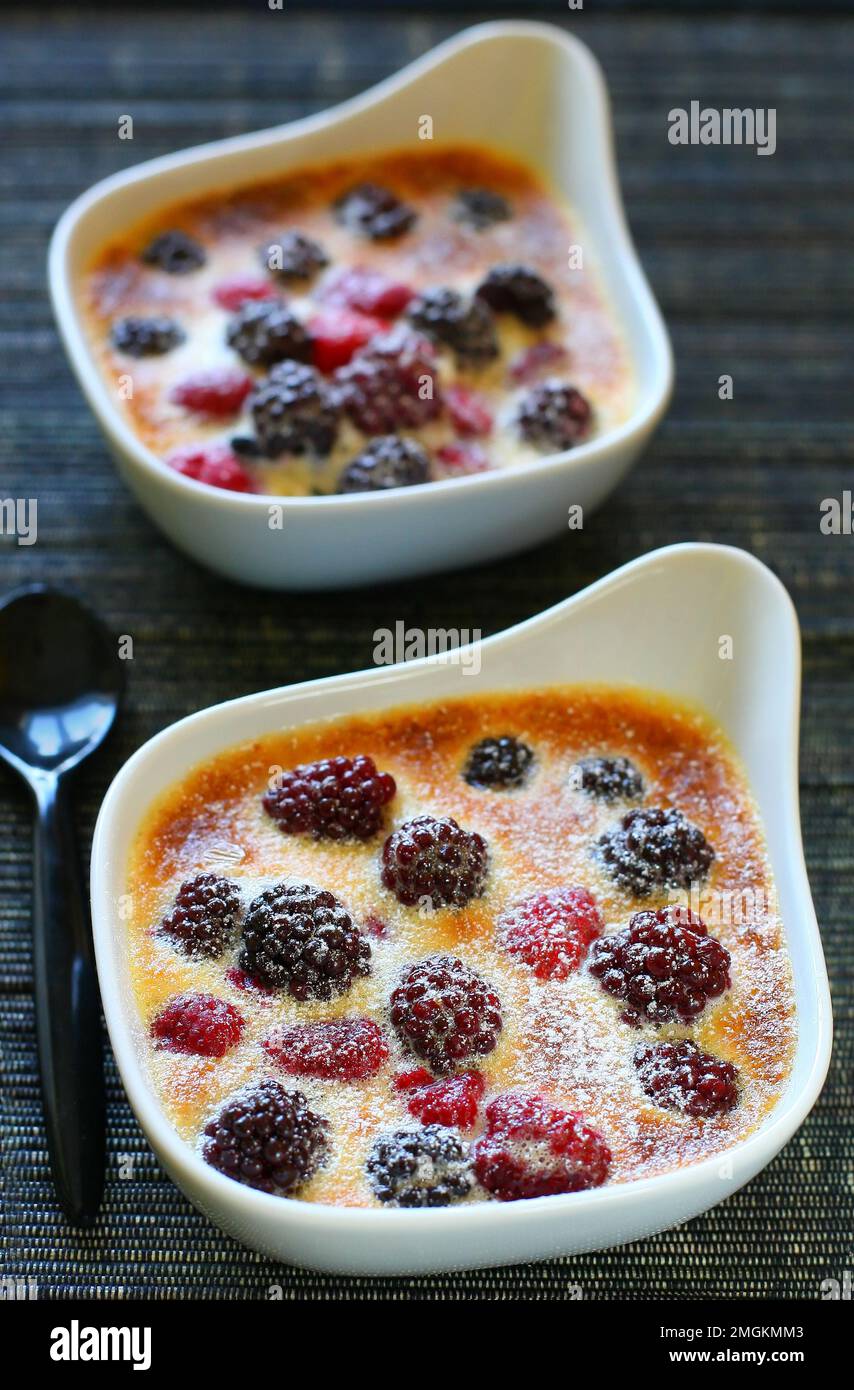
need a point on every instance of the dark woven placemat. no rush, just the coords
(750, 258)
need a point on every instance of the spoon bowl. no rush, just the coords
(60, 681)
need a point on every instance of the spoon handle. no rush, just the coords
(68, 1019)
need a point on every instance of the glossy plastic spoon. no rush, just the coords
(60, 685)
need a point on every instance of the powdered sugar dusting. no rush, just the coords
(561, 1038)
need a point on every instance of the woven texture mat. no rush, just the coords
(751, 261)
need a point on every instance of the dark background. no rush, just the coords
(751, 261)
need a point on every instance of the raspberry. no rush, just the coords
(420, 1167)
(140, 337)
(233, 294)
(554, 416)
(204, 916)
(663, 965)
(198, 1023)
(452, 1102)
(375, 212)
(464, 325)
(532, 361)
(266, 1137)
(386, 462)
(534, 1149)
(608, 779)
(213, 464)
(678, 1076)
(266, 332)
(174, 252)
(653, 848)
(293, 257)
(390, 383)
(516, 289)
(498, 763)
(469, 412)
(459, 459)
(294, 412)
(480, 208)
(413, 1079)
(434, 858)
(366, 290)
(445, 1012)
(218, 391)
(302, 938)
(551, 932)
(238, 979)
(338, 333)
(337, 1049)
(336, 799)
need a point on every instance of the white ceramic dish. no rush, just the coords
(562, 127)
(654, 623)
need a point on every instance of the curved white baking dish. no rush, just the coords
(655, 623)
(561, 126)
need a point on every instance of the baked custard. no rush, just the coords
(378, 323)
(493, 948)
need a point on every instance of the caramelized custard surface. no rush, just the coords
(561, 1039)
(233, 225)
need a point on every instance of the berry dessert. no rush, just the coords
(496, 949)
(404, 302)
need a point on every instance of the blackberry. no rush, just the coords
(204, 916)
(445, 1012)
(335, 799)
(264, 331)
(516, 289)
(375, 212)
(174, 252)
(386, 462)
(534, 1149)
(435, 859)
(498, 763)
(653, 848)
(141, 337)
(678, 1076)
(554, 416)
(390, 384)
(293, 257)
(480, 208)
(245, 446)
(301, 938)
(663, 965)
(294, 411)
(608, 779)
(464, 325)
(267, 1138)
(427, 1167)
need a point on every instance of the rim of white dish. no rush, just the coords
(184, 1163)
(648, 410)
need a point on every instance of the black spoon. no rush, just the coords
(60, 684)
